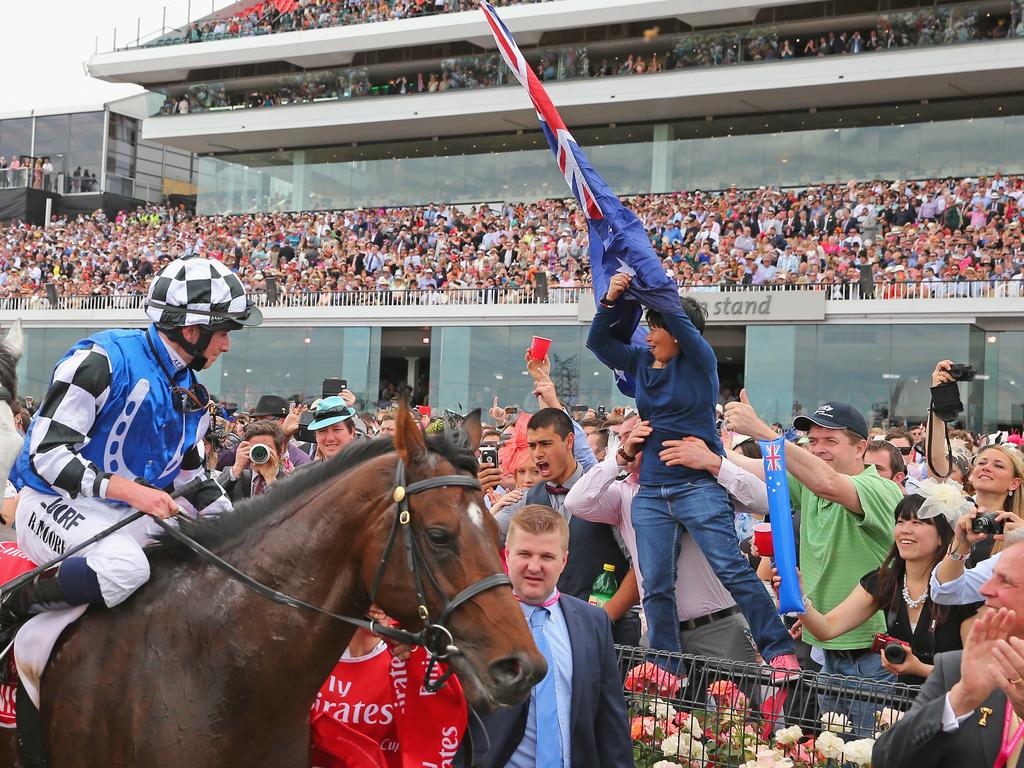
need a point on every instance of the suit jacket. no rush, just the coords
(918, 739)
(600, 728)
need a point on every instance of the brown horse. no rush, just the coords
(197, 671)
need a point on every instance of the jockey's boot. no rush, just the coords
(43, 593)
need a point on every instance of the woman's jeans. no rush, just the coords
(703, 509)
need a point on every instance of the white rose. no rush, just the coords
(786, 737)
(662, 710)
(666, 764)
(683, 745)
(835, 722)
(829, 746)
(859, 751)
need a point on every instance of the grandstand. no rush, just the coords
(355, 134)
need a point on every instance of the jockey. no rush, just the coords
(124, 419)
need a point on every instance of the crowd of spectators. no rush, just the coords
(271, 16)
(939, 237)
(907, 29)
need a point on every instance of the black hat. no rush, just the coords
(833, 415)
(270, 405)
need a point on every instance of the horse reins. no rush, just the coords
(435, 637)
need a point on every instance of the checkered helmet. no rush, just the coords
(199, 291)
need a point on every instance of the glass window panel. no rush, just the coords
(819, 159)
(15, 137)
(682, 165)
(900, 150)
(52, 136)
(979, 137)
(746, 160)
(858, 153)
(710, 164)
(941, 147)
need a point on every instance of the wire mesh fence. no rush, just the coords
(697, 711)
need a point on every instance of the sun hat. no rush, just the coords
(330, 410)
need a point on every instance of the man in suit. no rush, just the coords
(576, 716)
(972, 704)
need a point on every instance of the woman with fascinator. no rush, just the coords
(900, 588)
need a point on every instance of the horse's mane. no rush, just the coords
(234, 526)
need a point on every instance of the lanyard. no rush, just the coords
(1009, 744)
(550, 601)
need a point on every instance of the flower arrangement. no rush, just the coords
(727, 733)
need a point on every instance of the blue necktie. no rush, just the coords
(549, 742)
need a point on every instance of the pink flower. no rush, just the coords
(727, 695)
(650, 678)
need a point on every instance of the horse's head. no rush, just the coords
(497, 660)
(10, 439)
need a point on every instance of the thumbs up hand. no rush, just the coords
(741, 417)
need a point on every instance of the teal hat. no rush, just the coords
(330, 411)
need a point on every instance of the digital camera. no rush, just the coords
(987, 523)
(895, 650)
(259, 454)
(962, 372)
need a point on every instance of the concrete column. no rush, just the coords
(413, 371)
(662, 157)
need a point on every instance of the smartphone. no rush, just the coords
(489, 455)
(601, 412)
(333, 387)
(581, 408)
(512, 410)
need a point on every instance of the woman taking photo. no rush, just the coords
(900, 589)
(995, 477)
(677, 389)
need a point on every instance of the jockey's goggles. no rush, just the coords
(192, 400)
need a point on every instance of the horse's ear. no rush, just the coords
(471, 426)
(409, 441)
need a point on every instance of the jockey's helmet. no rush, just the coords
(196, 291)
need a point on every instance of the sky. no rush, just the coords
(44, 64)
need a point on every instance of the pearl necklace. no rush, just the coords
(911, 603)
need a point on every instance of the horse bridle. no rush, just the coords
(435, 637)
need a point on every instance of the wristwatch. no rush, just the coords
(623, 455)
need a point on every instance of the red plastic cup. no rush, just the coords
(424, 410)
(539, 348)
(763, 539)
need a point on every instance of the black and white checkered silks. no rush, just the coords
(203, 285)
(65, 420)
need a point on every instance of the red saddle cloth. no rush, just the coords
(13, 563)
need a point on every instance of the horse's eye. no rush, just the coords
(438, 536)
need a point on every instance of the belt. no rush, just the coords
(710, 618)
(849, 654)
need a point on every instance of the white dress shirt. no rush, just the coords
(598, 496)
(966, 588)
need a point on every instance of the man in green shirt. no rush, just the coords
(846, 524)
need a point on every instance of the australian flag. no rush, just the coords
(618, 241)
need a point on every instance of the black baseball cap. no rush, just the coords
(833, 415)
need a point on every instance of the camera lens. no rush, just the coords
(896, 653)
(259, 454)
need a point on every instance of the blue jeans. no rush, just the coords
(852, 702)
(702, 508)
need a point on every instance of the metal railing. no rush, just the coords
(699, 711)
(530, 295)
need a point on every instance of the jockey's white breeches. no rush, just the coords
(48, 526)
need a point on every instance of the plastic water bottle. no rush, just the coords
(605, 586)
